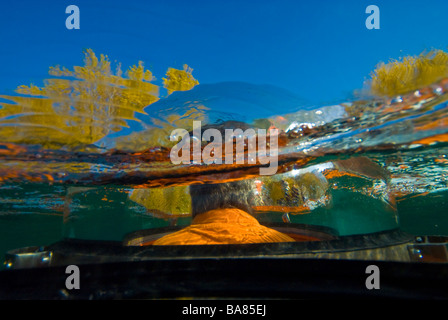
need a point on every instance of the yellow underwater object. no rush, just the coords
(82, 105)
(411, 73)
(165, 202)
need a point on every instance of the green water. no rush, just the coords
(94, 218)
(425, 215)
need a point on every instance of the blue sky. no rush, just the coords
(319, 50)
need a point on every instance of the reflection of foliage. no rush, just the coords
(179, 80)
(294, 191)
(82, 105)
(169, 201)
(159, 134)
(275, 189)
(411, 73)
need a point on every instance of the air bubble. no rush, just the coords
(438, 90)
(396, 100)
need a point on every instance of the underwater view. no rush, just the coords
(177, 131)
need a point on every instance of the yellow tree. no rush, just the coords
(411, 73)
(82, 105)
